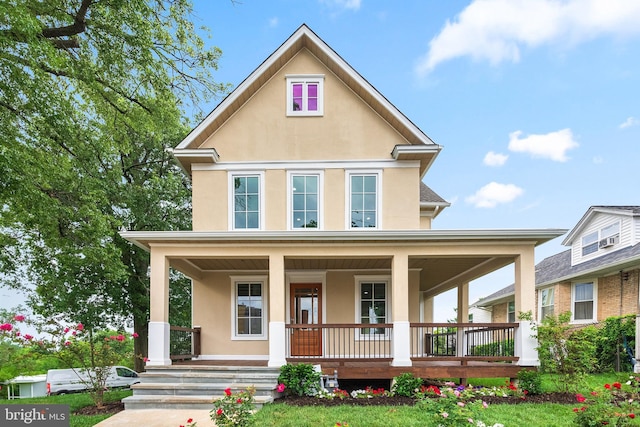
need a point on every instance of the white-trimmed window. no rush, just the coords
(546, 303)
(372, 299)
(583, 298)
(511, 311)
(305, 196)
(305, 95)
(249, 308)
(246, 201)
(590, 243)
(363, 199)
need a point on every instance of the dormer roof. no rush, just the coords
(632, 211)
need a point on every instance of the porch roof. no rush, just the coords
(450, 257)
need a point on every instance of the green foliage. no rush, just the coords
(406, 384)
(610, 351)
(607, 405)
(300, 379)
(234, 409)
(501, 348)
(569, 355)
(451, 411)
(530, 380)
(90, 99)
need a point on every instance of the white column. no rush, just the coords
(462, 317)
(277, 315)
(159, 311)
(525, 295)
(400, 311)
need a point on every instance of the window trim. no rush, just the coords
(305, 79)
(540, 291)
(235, 281)
(594, 284)
(363, 172)
(359, 280)
(290, 176)
(261, 201)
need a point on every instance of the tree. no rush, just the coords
(90, 100)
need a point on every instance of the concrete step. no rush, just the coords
(210, 377)
(186, 389)
(180, 402)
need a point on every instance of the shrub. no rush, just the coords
(234, 409)
(406, 385)
(610, 344)
(498, 348)
(301, 379)
(531, 381)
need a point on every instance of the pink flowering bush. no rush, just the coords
(234, 409)
(75, 347)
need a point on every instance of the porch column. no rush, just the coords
(462, 317)
(400, 310)
(427, 311)
(525, 296)
(277, 333)
(159, 311)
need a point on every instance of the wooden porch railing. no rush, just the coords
(184, 343)
(494, 341)
(339, 341)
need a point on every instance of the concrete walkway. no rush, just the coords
(158, 418)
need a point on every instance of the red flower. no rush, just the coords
(28, 337)
(146, 359)
(190, 420)
(575, 409)
(632, 415)
(18, 318)
(227, 392)
(80, 326)
(617, 385)
(6, 327)
(67, 343)
(66, 330)
(135, 335)
(219, 411)
(580, 398)
(239, 401)
(607, 386)
(120, 338)
(594, 393)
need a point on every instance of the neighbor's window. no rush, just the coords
(305, 199)
(546, 302)
(373, 305)
(305, 95)
(583, 301)
(246, 202)
(590, 243)
(511, 311)
(249, 302)
(363, 203)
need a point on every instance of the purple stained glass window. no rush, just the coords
(297, 97)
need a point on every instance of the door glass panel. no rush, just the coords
(306, 306)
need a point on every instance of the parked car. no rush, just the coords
(61, 381)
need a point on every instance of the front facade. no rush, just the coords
(597, 278)
(312, 224)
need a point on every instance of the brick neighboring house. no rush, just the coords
(598, 277)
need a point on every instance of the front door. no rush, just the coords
(306, 310)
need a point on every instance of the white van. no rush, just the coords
(61, 381)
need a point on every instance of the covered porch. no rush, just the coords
(313, 304)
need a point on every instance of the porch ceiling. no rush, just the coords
(438, 274)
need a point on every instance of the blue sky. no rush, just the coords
(536, 103)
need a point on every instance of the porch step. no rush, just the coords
(180, 402)
(196, 387)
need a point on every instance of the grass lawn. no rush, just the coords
(75, 402)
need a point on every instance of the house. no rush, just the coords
(312, 234)
(596, 278)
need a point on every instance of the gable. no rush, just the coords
(262, 130)
(305, 43)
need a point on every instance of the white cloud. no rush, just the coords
(631, 121)
(496, 30)
(495, 159)
(273, 22)
(344, 4)
(553, 145)
(493, 194)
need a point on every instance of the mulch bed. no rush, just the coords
(108, 409)
(562, 398)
